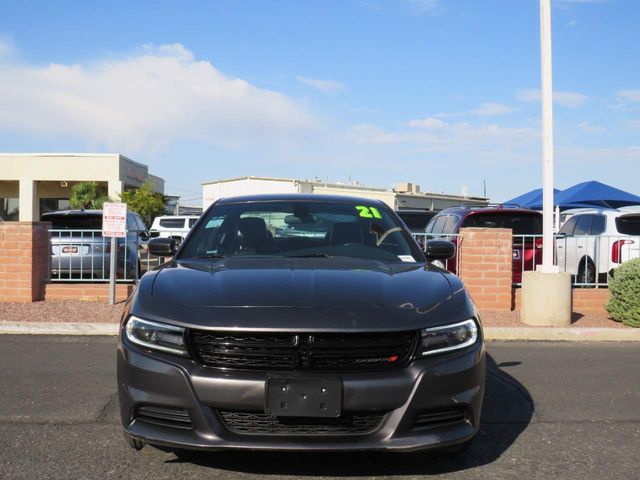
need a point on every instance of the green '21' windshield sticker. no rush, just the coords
(368, 212)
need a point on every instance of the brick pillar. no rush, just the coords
(486, 266)
(25, 261)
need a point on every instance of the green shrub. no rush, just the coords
(624, 290)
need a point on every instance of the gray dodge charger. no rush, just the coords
(300, 322)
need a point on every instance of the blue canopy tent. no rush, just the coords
(532, 199)
(595, 194)
(585, 194)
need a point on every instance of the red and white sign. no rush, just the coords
(114, 220)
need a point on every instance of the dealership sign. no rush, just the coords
(114, 219)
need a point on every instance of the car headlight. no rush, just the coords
(156, 336)
(448, 337)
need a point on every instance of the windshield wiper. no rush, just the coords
(210, 255)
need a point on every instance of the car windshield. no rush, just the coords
(300, 228)
(520, 223)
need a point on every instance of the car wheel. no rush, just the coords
(134, 442)
(586, 272)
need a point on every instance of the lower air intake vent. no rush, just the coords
(440, 418)
(254, 423)
(167, 417)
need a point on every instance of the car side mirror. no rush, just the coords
(440, 250)
(162, 247)
(144, 236)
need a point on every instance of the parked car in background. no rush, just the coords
(78, 249)
(172, 226)
(594, 242)
(526, 226)
(416, 220)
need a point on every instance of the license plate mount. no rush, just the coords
(303, 397)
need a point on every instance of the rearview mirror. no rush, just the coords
(440, 250)
(162, 247)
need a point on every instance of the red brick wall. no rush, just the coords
(25, 258)
(486, 265)
(86, 291)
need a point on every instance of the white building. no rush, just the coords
(33, 183)
(403, 196)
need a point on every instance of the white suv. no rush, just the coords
(593, 242)
(170, 226)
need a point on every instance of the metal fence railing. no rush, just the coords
(590, 259)
(84, 255)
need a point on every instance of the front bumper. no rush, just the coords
(444, 383)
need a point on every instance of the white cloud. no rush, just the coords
(144, 102)
(590, 128)
(566, 99)
(423, 6)
(629, 95)
(6, 48)
(445, 136)
(327, 86)
(490, 109)
(427, 123)
(633, 125)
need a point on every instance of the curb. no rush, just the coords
(544, 334)
(63, 328)
(562, 334)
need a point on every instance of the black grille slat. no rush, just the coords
(441, 418)
(256, 423)
(165, 416)
(304, 351)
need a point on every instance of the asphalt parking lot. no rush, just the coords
(552, 410)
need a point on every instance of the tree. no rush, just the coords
(87, 195)
(145, 201)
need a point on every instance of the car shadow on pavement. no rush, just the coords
(507, 410)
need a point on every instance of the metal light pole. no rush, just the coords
(547, 139)
(546, 294)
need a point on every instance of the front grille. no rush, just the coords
(440, 418)
(317, 351)
(255, 423)
(165, 416)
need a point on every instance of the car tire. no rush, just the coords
(586, 272)
(134, 442)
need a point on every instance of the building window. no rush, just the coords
(9, 209)
(53, 204)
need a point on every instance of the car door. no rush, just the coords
(565, 246)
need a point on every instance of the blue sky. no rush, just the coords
(443, 93)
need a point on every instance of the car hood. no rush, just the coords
(297, 293)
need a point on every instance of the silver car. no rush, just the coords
(78, 249)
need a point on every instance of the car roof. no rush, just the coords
(594, 211)
(465, 210)
(74, 213)
(298, 197)
(79, 213)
